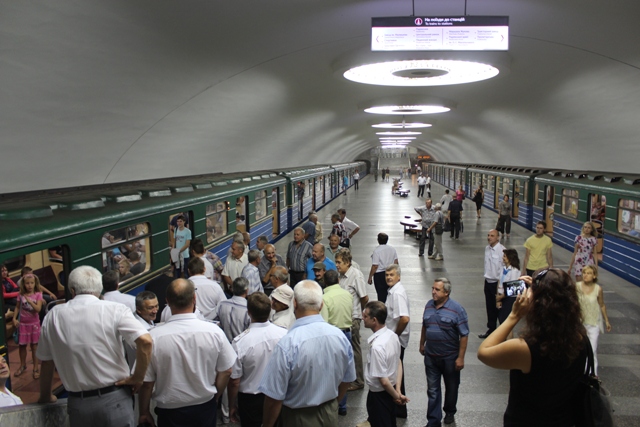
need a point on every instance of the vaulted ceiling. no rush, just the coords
(103, 91)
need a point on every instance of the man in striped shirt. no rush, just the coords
(298, 252)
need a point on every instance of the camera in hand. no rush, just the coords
(513, 288)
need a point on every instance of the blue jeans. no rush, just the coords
(437, 368)
(343, 403)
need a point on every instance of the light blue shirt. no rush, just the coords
(328, 264)
(252, 274)
(309, 364)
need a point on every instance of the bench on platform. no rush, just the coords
(402, 193)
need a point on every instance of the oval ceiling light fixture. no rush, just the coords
(407, 109)
(411, 125)
(398, 133)
(421, 72)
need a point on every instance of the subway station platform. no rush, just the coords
(483, 391)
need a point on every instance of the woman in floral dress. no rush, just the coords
(585, 250)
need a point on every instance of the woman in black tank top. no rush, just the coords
(548, 359)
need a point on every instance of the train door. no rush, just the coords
(496, 194)
(505, 190)
(549, 206)
(275, 211)
(177, 239)
(242, 215)
(515, 206)
(597, 209)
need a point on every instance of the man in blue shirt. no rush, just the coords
(310, 368)
(443, 342)
(317, 255)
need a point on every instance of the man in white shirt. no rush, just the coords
(96, 376)
(351, 227)
(197, 247)
(398, 318)
(352, 280)
(185, 384)
(208, 293)
(234, 265)
(282, 304)
(110, 284)
(383, 256)
(422, 183)
(383, 372)
(6, 397)
(253, 347)
(493, 266)
(146, 309)
(428, 186)
(445, 200)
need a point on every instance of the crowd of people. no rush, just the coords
(275, 340)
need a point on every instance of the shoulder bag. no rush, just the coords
(594, 400)
(439, 229)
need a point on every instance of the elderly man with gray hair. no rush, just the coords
(300, 386)
(298, 252)
(252, 273)
(443, 343)
(97, 375)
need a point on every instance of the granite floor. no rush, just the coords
(483, 390)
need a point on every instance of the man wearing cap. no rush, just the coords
(319, 270)
(282, 304)
(336, 311)
(317, 255)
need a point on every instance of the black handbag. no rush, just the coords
(594, 400)
(446, 226)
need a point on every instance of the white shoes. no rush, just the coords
(439, 258)
(364, 424)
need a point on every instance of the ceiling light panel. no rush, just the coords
(421, 72)
(398, 133)
(407, 109)
(412, 125)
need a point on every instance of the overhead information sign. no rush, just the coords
(412, 33)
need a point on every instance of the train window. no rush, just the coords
(125, 249)
(261, 204)
(15, 263)
(39, 263)
(216, 221)
(629, 217)
(570, 202)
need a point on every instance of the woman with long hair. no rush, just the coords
(585, 251)
(548, 359)
(478, 198)
(510, 271)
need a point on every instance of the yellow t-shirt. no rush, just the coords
(538, 247)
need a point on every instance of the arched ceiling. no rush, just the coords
(104, 91)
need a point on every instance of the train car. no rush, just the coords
(567, 199)
(516, 182)
(451, 175)
(55, 231)
(564, 200)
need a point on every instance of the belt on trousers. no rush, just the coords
(299, 272)
(96, 392)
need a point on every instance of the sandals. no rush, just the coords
(20, 371)
(36, 374)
